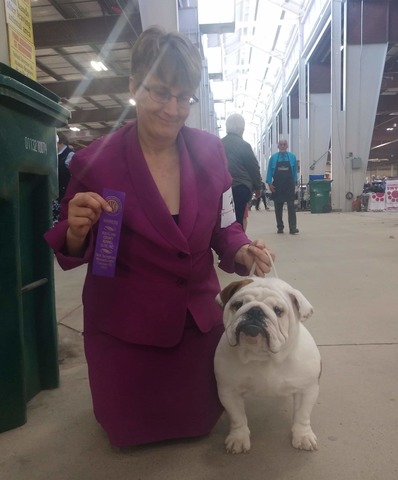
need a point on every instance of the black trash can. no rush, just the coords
(320, 196)
(29, 116)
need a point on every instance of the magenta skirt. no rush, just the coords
(144, 394)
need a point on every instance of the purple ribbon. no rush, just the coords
(107, 244)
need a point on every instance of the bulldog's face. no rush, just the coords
(262, 313)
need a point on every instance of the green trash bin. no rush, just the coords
(320, 196)
(29, 115)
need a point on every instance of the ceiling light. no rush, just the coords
(132, 102)
(98, 66)
(74, 129)
(222, 91)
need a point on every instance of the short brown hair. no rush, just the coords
(62, 138)
(170, 56)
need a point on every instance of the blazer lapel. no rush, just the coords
(188, 189)
(150, 199)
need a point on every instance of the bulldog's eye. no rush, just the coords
(278, 311)
(237, 305)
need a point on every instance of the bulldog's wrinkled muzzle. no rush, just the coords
(253, 324)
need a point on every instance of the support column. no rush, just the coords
(302, 152)
(319, 132)
(365, 66)
(274, 131)
(164, 14)
(267, 142)
(338, 112)
(365, 47)
(285, 132)
(319, 118)
(4, 55)
(294, 128)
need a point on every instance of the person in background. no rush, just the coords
(262, 197)
(65, 154)
(282, 178)
(242, 165)
(151, 327)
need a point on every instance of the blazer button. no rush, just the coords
(182, 255)
(181, 282)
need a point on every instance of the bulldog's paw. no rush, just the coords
(238, 441)
(307, 441)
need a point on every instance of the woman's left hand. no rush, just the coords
(255, 252)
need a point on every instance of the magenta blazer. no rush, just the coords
(163, 269)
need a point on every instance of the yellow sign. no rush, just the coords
(22, 54)
(19, 16)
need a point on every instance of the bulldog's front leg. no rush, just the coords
(238, 440)
(303, 436)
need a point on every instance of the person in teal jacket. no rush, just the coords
(282, 178)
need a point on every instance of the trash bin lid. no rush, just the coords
(25, 91)
(320, 182)
(20, 77)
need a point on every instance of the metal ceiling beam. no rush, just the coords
(286, 6)
(390, 80)
(113, 114)
(86, 31)
(383, 137)
(384, 121)
(94, 86)
(86, 136)
(387, 104)
(384, 145)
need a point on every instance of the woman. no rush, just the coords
(151, 330)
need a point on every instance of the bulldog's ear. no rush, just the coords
(303, 306)
(223, 297)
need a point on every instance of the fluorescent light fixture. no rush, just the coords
(132, 102)
(74, 129)
(98, 66)
(222, 91)
(214, 59)
(211, 12)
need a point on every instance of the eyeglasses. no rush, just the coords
(161, 95)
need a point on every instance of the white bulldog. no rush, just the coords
(266, 350)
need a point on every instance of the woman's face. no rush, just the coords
(161, 109)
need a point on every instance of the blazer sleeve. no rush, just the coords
(56, 236)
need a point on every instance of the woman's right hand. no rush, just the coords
(84, 211)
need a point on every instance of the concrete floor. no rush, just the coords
(347, 266)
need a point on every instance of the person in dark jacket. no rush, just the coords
(242, 165)
(65, 154)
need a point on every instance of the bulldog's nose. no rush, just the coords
(251, 330)
(256, 315)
